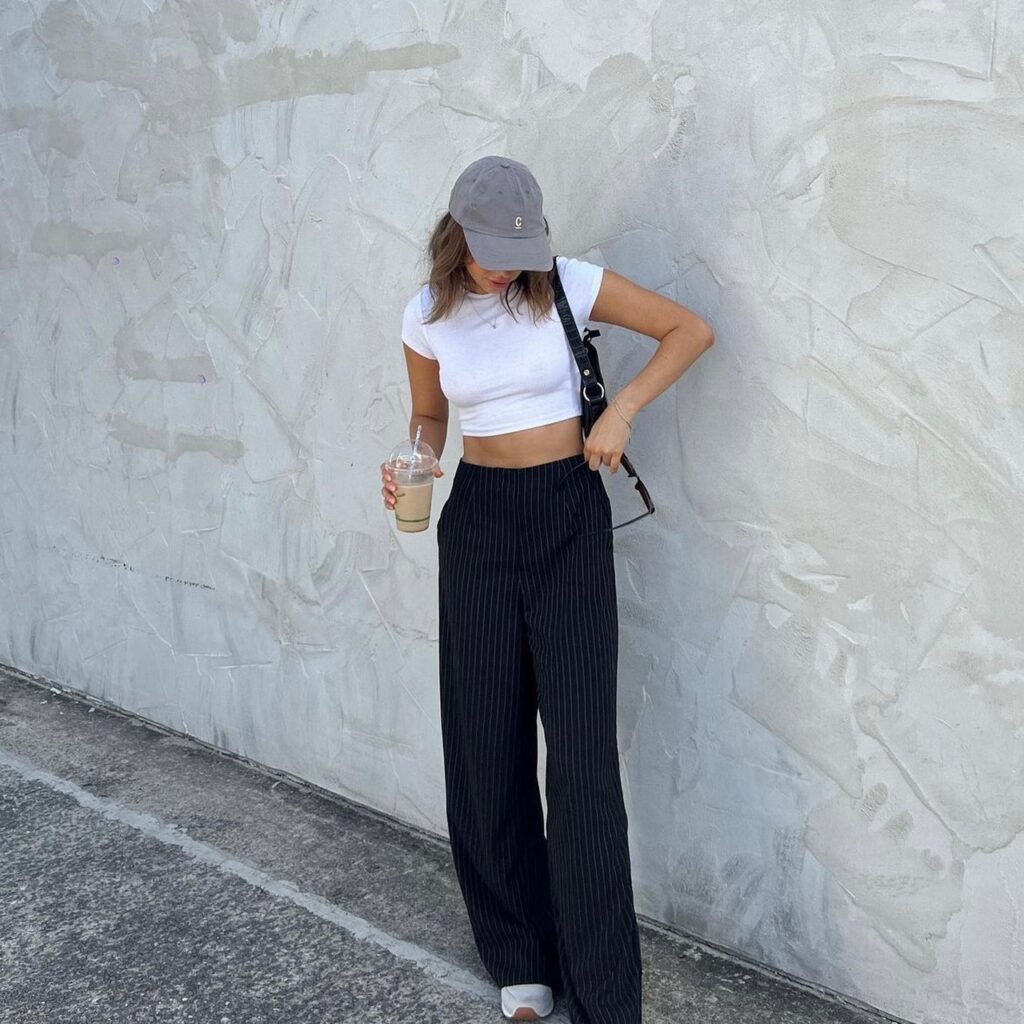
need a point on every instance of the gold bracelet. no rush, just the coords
(619, 411)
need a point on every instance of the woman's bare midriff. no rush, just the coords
(530, 447)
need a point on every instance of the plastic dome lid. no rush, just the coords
(407, 455)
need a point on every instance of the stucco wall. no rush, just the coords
(212, 216)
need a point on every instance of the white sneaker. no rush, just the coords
(526, 1002)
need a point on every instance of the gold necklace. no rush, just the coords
(493, 324)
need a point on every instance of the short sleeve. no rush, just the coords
(582, 282)
(414, 333)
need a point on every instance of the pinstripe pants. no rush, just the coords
(529, 621)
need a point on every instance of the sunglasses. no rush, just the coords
(630, 471)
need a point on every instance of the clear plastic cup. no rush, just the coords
(413, 467)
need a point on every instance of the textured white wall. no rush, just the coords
(212, 216)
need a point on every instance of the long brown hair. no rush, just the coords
(449, 279)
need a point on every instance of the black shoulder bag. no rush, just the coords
(593, 401)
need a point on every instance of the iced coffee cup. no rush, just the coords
(412, 464)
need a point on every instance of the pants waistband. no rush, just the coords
(542, 470)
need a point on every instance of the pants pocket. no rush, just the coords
(452, 501)
(585, 501)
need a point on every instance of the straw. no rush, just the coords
(416, 442)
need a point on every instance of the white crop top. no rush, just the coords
(519, 374)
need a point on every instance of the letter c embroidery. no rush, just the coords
(519, 223)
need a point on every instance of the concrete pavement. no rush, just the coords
(147, 878)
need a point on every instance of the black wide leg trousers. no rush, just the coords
(528, 622)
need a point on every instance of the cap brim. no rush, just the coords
(493, 252)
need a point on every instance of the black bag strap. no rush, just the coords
(589, 377)
(590, 374)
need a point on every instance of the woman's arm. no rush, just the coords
(681, 335)
(429, 403)
(429, 409)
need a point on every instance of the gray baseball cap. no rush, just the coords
(499, 205)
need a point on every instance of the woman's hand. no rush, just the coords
(388, 481)
(606, 441)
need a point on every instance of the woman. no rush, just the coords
(526, 591)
